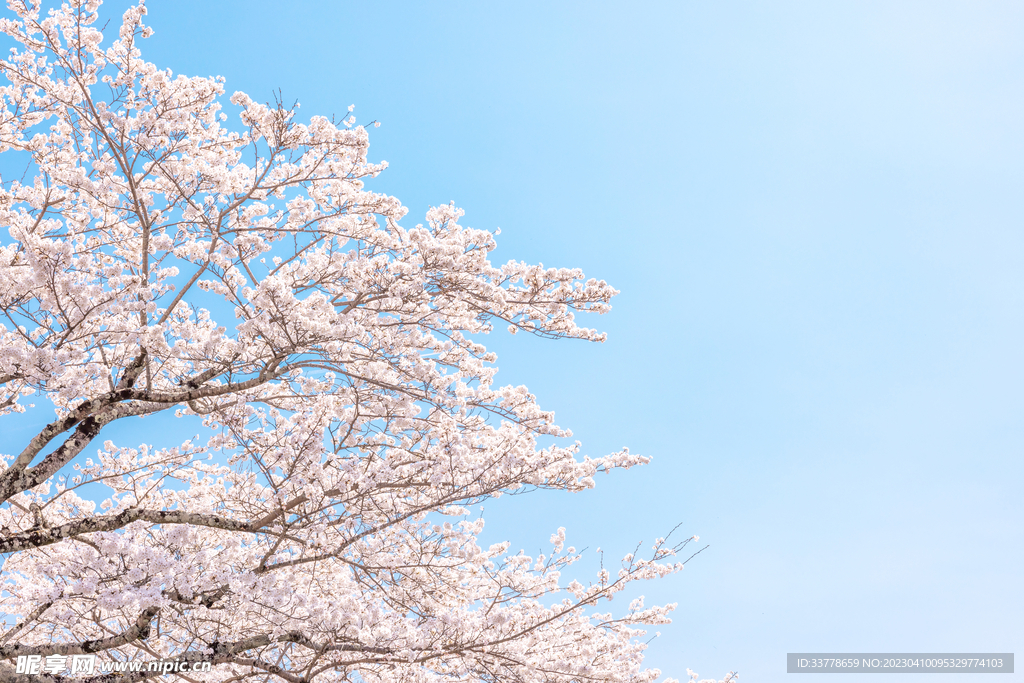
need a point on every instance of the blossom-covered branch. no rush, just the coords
(243, 277)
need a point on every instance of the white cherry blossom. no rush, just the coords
(157, 259)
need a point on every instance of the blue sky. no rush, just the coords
(813, 211)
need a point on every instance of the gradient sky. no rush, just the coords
(813, 212)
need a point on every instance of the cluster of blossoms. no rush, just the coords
(347, 411)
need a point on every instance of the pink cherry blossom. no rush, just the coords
(155, 259)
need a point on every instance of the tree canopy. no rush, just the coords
(156, 259)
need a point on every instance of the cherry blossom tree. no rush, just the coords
(347, 410)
